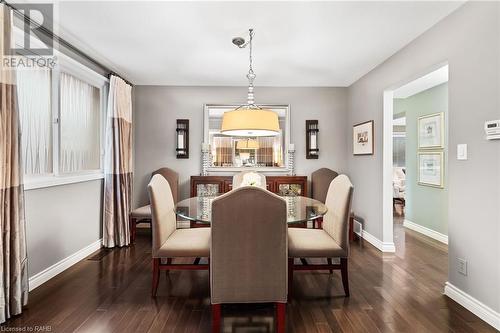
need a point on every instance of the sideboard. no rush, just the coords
(281, 185)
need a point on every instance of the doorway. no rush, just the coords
(415, 158)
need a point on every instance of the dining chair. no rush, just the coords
(320, 182)
(246, 178)
(143, 214)
(330, 242)
(248, 254)
(168, 241)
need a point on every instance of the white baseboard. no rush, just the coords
(473, 305)
(426, 231)
(48, 273)
(382, 246)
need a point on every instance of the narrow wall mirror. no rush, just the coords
(233, 153)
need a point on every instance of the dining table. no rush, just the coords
(300, 209)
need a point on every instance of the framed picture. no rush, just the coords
(431, 131)
(431, 169)
(362, 138)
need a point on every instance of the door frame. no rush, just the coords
(387, 156)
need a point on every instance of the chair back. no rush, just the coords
(338, 201)
(247, 178)
(320, 182)
(249, 247)
(173, 180)
(162, 211)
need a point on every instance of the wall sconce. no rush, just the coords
(312, 132)
(182, 147)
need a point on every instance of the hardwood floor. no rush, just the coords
(110, 292)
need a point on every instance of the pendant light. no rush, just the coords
(249, 119)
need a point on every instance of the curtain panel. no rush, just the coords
(13, 256)
(118, 165)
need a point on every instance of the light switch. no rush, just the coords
(462, 152)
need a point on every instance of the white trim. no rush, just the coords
(387, 247)
(40, 278)
(473, 305)
(48, 181)
(426, 231)
(387, 165)
(387, 135)
(80, 71)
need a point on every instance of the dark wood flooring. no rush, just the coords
(110, 292)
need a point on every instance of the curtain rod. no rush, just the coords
(126, 81)
(64, 43)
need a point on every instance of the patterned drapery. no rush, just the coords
(13, 256)
(118, 164)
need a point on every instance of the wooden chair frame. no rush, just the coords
(311, 267)
(133, 221)
(159, 266)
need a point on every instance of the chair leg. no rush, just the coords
(345, 278)
(169, 262)
(156, 276)
(329, 261)
(319, 223)
(132, 228)
(216, 318)
(290, 278)
(351, 227)
(280, 317)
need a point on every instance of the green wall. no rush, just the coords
(426, 206)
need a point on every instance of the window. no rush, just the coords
(34, 97)
(80, 148)
(239, 152)
(61, 112)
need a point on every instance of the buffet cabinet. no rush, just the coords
(281, 185)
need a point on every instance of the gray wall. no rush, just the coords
(469, 40)
(426, 206)
(60, 221)
(157, 108)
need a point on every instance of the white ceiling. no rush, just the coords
(296, 43)
(425, 82)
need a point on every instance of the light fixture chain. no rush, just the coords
(251, 75)
(250, 47)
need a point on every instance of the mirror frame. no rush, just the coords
(283, 169)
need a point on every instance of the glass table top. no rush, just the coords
(299, 209)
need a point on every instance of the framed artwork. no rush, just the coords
(431, 169)
(431, 131)
(362, 138)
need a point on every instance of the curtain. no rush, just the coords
(118, 164)
(13, 257)
(35, 109)
(80, 137)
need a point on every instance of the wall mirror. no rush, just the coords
(234, 153)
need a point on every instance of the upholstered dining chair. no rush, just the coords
(247, 178)
(330, 242)
(248, 254)
(168, 241)
(143, 214)
(320, 181)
